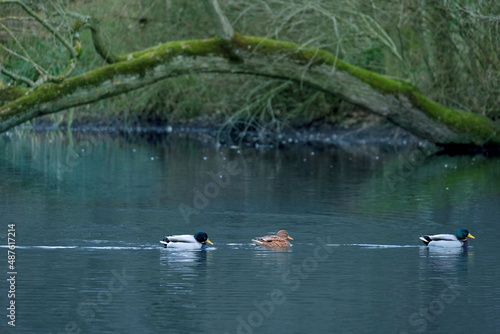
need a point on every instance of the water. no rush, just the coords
(89, 212)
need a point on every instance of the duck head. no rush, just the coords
(464, 233)
(202, 238)
(283, 234)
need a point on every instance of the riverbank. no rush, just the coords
(367, 135)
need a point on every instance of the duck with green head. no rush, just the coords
(185, 241)
(448, 240)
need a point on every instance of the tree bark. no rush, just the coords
(397, 101)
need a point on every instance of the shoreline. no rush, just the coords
(355, 138)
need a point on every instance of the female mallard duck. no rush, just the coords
(186, 241)
(278, 240)
(448, 240)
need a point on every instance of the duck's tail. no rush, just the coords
(425, 239)
(165, 241)
(258, 242)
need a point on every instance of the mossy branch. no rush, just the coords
(397, 101)
(101, 47)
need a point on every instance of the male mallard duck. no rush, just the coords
(278, 240)
(186, 241)
(448, 240)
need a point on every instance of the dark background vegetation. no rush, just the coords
(448, 49)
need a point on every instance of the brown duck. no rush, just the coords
(278, 240)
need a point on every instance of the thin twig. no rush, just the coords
(45, 24)
(16, 77)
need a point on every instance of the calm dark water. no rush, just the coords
(89, 212)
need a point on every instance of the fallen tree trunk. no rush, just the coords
(399, 102)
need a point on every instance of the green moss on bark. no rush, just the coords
(10, 94)
(475, 128)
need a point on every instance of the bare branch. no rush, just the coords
(26, 56)
(223, 27)
(16, 77)
(44, 23)
(45, 76)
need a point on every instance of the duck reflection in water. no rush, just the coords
(182, 259)
(443, 259)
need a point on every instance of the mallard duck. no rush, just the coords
(448, 240)
(278, 240)
(186, 241)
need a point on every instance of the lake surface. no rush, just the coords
(89, 211)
